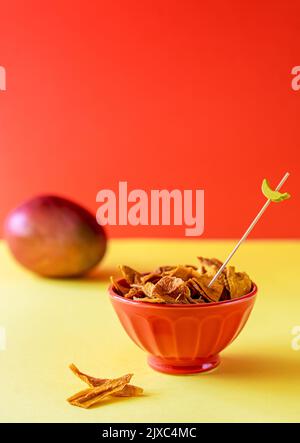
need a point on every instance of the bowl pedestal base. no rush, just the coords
(183, 366)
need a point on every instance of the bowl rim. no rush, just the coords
(118, 297)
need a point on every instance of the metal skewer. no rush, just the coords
(284, 178)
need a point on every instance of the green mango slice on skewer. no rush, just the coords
(274, 196)
(271, 195)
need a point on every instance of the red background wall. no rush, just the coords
(163, 94)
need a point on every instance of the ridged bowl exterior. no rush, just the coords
(181, 332)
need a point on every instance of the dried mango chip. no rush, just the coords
(153, 277)
(162, 269)
(120, 287)
(148, 289)
(102, 388)
(182, 272)
(195, 289)
(213, 293)
(166, 285)
(239, 283)
(130, 275)
(91, 396)
(127, 391)
(91, 381)
(134, 292)
(170, 290)
(183, 284)
(210, 265)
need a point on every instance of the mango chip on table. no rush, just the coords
(183, 284)
(101, 388)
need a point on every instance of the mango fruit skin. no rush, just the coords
(55, 237)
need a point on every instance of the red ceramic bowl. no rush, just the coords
(183, 339)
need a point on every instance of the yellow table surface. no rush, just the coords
(51, 323)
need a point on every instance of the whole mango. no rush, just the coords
(54, 237)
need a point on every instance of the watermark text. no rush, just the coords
(155, 208)
(296, 79)
(2, 78)
(295, 342)
(2, 338)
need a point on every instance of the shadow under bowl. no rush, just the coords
(183, 339)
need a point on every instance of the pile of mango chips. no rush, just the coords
(180, 284)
